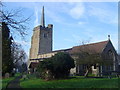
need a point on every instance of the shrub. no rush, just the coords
(57, 66)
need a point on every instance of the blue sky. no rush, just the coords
(73, 22)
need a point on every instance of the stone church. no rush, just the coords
(41, 48)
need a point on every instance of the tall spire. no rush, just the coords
(42, 18)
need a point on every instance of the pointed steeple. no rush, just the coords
(42, 18)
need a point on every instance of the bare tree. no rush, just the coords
(16, 25)
(18, 53)
(14, 19)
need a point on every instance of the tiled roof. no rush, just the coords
(92, 48)
(63, 50)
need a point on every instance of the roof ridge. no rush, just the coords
(92, 43)
(97, 47)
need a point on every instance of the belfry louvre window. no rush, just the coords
(45, 35)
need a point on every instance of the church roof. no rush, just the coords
(92, 48)
(63, 50)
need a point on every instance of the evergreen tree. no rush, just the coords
(7, 61)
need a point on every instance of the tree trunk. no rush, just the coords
(87, 71)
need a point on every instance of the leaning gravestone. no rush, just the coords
(7, 75)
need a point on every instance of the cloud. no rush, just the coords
(103, 14)
(77, 11)
(36, 16)
(54, 16)
(81, 23)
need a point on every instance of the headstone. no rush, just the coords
(7, 75)
(24, 77)
(118, 76)
(109, 77)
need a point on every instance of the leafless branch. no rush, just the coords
(15, 21)
(18, 53)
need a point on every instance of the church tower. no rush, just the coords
(41, 41)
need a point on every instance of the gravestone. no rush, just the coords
(24, 77)
(7, 75)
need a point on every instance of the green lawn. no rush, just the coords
(79, 82)
(5, 81)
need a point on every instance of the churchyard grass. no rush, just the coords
(79, 82)
(5, 81)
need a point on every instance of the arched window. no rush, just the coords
(110, 54)
(111, 58)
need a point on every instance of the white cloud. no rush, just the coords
(36, 16)
(104, 14)
(54, 16)
(77, 11)
(81, 23)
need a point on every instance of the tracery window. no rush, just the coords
(111, 58)
(110, 54)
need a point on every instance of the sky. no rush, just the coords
(73, 22)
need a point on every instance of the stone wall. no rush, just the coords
(41, 41)
(46, 55)
(45, 43)
(35, 43)
(109, 47)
